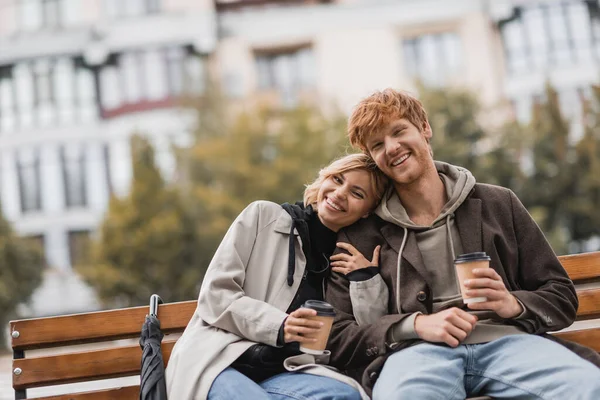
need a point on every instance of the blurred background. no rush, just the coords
(132, 132)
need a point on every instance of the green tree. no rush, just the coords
(261, 153)
(460, 139)
(551, 183)
(583, 204)
(148, 242)
(21, 265)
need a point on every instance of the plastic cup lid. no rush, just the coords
(321, 307)
(468, 257)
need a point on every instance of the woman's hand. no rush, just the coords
(297, 325)
(489, 284)
(346, 263)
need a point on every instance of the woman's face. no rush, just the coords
(344, 198)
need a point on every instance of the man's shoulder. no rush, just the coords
(364, 230)
(488, 192)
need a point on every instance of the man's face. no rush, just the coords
(401, 150)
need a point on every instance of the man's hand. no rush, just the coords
(346, 263)
(489, 284)
(451, 326)
(297, 325)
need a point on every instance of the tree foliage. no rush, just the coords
(21, 266)
(460, 138)
(148, 242)
(585, 198)
(260, 153)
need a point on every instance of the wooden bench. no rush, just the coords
(118, 360)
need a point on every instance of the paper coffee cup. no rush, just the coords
(465, 264)
(325, 314)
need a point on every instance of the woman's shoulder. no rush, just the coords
(265, 211)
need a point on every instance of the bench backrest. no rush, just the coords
(124, 360)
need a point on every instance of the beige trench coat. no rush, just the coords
(242, 301)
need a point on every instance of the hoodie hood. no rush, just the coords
(458, 183)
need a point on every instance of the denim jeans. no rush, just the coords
(512, 367)
(232, 385)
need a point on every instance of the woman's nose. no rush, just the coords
(340, 192)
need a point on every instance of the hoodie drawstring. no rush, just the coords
(449, 233)
(398, 303)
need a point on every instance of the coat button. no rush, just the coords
(421, 296)
(373, 376)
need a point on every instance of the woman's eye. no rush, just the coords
(358, 195)
(337, 179)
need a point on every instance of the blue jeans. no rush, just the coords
(232, 385)
(512, 367)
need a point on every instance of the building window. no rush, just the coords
(73, 169)
(46, 92)
(28, 169)
(287, 72)
(40, 14)
(130, 8)
(79, 247)
(150, 77)
(550, 34)
(7, 100)
(433, 59)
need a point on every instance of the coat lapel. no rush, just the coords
(411, 254)
(468, 221)
(284, 223)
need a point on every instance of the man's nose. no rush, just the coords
(391, 145)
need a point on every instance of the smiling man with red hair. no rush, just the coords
(428, 344)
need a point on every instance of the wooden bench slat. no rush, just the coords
(84, 366)
(97, 326)
(122, 393)
(589, 303)
(582, 266)
(586, 337)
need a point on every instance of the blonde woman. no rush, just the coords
(249, 318)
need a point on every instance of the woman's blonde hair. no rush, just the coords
(343, 164)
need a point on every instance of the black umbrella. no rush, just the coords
(152, 383)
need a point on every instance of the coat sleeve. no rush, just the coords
(222, 302)
(547, 293)
(354, 345)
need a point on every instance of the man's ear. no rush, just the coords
(427, 131)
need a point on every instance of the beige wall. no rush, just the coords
(353, 63)
(482, 58)
(202, 5)
(8, 18)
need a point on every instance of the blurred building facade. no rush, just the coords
(77, 77)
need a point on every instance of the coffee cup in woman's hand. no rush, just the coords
(300, 327)
(322, 313)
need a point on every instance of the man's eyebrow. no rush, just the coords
(399, 125)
